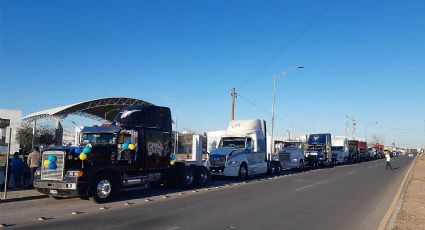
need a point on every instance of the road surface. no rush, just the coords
(346, 197)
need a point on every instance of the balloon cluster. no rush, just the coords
(50, 162)
(82, 152)
(128, 145)
(173, 159)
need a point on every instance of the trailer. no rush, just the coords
(340, 153)
(133, 152)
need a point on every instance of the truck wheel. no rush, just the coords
(102, 189)
(243, 172)
(278, 169)
(184, 178)
(272, 168)
(301, 166)
(202, 176)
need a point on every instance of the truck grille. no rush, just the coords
(284, 157)
(53, 174)
(217, 161)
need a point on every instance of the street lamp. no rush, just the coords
(275, 79)
(176, 134)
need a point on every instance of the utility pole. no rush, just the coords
(234, 96)
(354, 129)
(346, 126)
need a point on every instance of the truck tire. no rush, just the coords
(184, 177)
(301, 166)
(102, 188)
(271, 168)
(202, 176)
(278, 169)
(243, 172)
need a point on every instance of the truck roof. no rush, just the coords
(147, 116)
(244, 126)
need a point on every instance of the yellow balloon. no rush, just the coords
(83, 156)
(132, 146)
(172, 162)
(46, 163)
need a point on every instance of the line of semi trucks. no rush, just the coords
(135, 151)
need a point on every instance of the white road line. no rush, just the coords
(308, 186)
(173, 228)
(350, 172)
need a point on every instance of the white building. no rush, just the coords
(9, 119)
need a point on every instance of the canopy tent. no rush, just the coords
(99, 109)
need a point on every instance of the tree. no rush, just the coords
(45, 135)
(376, 139)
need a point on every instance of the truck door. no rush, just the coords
(126, 157)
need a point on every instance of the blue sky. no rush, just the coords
(362, 58)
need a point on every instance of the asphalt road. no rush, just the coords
(348, 197)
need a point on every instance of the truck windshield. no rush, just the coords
(99, 138)
(234, 142)
(338, 148)
(291, 145)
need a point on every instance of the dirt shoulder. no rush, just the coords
(412, 212)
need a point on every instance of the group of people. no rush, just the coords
(23, 170)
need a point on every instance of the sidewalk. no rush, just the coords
(14, 195)
(412, 212)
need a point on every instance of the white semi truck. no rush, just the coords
(242, 151)
(291, 155)
(340, 152)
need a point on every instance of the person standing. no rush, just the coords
(17, 169)
(388, 158)
(34, 162)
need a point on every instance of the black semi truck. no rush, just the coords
(134, 151)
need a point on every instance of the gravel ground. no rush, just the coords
(412, 212)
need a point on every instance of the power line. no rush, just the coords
(269, 113)
(293, 39)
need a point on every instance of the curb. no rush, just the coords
(25, 198)
(391, 210)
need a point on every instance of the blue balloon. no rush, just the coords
(128, 141)
(125, 146)
(51, 158)
(86, 149)
(52, 165)
(78, 150)
(173, 157)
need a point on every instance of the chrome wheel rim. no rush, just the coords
(104, 188)
(189, 179)
(203, 177)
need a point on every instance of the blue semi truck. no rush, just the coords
(319, 150)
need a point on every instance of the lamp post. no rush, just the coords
(275, 79)
(176, 134)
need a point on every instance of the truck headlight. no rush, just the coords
(37, 172)
(233, 163)
(74, 173)
(294, 159)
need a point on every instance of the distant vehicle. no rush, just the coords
(363, 151)
(291, 155)
(353, 147)
(319, 152)
(242, 151)
(132, 153)
(340, 153)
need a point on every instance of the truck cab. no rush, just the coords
(340, 153)
(319, 151)
(353, 147)
(131, 153)
(291, 154)
(363, 151)
(241, 151)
